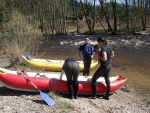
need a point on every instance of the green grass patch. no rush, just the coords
(61, 105)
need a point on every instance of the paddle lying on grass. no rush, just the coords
(44, 96)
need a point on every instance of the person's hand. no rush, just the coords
(82, 58)
(62, 73)
(89, 79)
(99, 61)
(60, 78)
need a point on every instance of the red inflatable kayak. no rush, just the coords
(51, 82)
(85, 86)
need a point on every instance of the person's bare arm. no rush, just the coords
(92, 55)
(62, 73)
(79, 54)
(112, 54)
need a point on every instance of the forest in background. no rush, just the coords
(63, 16)
(24, 22)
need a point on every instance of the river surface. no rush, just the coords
(132, 56)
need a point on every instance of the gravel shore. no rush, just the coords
(24, 102)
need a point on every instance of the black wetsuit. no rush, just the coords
(71, 69)
(103, 70)
(87, 51)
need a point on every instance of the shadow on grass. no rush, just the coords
(9, 92)
(39, 101)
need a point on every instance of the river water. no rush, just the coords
(132, 56)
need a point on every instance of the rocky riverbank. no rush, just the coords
(24, 102)
(122, 101)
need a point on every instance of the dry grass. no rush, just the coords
(61, 105)
(19, 37)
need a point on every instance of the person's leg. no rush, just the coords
(68, 72)
(107, 80)
(75, 84)
(75, 73)
(94, 86)
(70, 88)
(108, 86)
(84, 69)
(96, 75)
(88, 65)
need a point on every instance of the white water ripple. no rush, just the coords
(132, 41)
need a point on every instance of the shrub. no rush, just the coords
(20, 36)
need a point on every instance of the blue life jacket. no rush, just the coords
(88, 50)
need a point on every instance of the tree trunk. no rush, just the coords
(106, 17)
(93, 25)
(127, 16)
(114, 16)
(88, 21)
(145, 5)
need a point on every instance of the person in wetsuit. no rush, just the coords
(71, 69)
(105, 67)
(87, 52)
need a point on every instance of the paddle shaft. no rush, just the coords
(44, 96)
(28, 80)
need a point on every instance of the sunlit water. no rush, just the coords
(132, 56)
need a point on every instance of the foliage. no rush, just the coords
(52, 15)
(19, 37)
(5, 11)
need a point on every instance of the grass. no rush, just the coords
(61, 105)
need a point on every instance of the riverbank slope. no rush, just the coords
(120, 102)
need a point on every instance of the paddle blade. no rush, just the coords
(47, 99)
